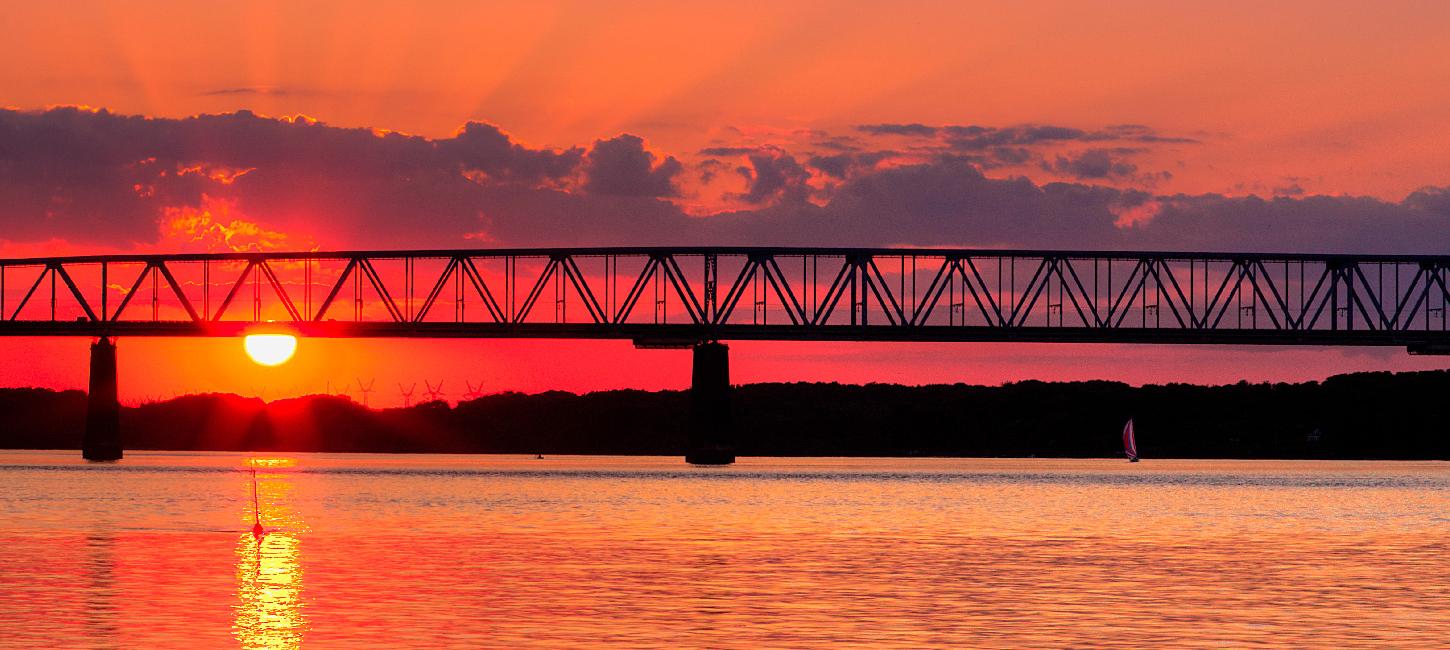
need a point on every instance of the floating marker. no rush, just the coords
(257, 530)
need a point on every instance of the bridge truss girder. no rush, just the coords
(763, 293)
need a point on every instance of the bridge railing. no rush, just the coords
(888, 294)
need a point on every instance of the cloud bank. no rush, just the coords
(116, 181)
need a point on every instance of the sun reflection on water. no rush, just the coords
(269, 606)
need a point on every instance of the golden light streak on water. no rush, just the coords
(269, 608)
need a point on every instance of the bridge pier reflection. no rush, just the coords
(102, 439)
(711, 435)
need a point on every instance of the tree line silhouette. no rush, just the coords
(1363, 415)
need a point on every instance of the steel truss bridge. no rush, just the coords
(683, 295)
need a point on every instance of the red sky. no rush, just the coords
(641, 122)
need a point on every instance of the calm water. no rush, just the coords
(459, 551)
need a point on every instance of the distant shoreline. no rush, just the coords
(523, 457)
(1361, 416)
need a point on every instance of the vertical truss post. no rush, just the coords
(1347, 281)
(256, 294)
(913, 285)
(659, 294)
(1333, 296)
(456, 268)
(307, 289)
(712, 276)
(858, 293)
(816, 289)
(608, 294)
(953, 306)
(902, 281)
(559, 296)
(757, 293)
(155, 294)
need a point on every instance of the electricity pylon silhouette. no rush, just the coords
(366, 390)
(473, 392)
(435, 393)
(407, 394)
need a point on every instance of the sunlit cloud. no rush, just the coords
(211, 227)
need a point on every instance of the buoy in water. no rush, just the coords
(257, 530)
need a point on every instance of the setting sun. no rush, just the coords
(270, 349)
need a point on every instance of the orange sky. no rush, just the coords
(1331, 98)
(1350, 97)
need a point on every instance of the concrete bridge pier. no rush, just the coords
(711, 439)
(102, 439)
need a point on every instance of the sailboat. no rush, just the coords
(1130, 444)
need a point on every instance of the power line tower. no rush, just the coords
(407, 394)
(435, 393)
(474, 392)
(366, 390)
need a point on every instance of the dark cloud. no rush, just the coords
(1052, 148)
(774, 175)
(484, 148)
(97, 177)
(917, 130)
(1140, 133)
(727, 151)
(1094, 164)
(979, 138)
(1434, 200)
(708, 169)
(834, 166)
(841, 165)
(622, 167)
(247, 91)
(1358, 224)
(951, 203)
(838, 143)
(1012, 155)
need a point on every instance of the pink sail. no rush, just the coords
(1130, 444)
